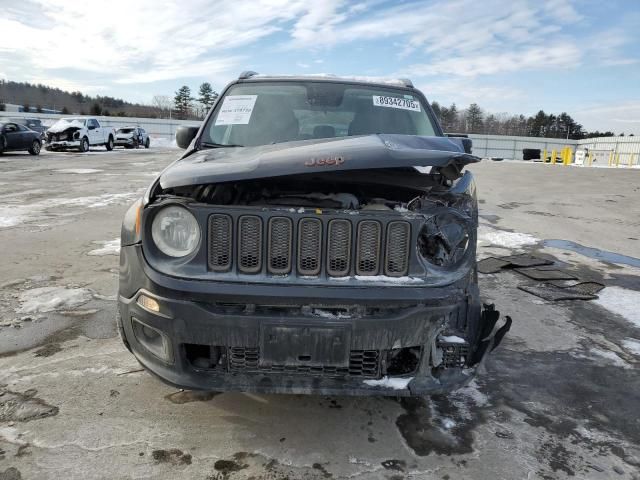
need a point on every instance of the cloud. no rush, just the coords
(616, 116)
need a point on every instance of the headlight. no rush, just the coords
(175, 231)
(444, 240)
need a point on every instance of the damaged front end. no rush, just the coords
(64, 134)
(337, 267)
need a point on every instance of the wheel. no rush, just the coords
(109, 144)
(84, 145)
(3, 144)
(35, 148)
(147, 143)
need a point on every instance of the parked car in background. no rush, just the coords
(34, 124)
(79, 133)
(318, 235)
(132, 137)
(16, 137)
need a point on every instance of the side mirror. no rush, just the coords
(185, 135)
(467, 144)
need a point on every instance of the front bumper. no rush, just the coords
(206, 314)
(62, 144)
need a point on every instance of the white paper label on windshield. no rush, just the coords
(395, 102)
(236, 110)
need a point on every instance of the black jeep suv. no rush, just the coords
(318, 235)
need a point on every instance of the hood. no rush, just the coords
(217, 165)
(64, 124)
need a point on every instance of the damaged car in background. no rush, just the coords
(79, 134)
(132, 137)
(318, 236)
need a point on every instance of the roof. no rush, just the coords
(329, 77)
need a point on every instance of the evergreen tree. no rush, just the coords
(182, 101)
(207, 95)
(474, 117)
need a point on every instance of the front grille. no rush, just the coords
(250, 244)
(339, 248)
(308, 246)
(220, 242)
(279, 249)
(368, 254)
(398, 237)
(362, 363)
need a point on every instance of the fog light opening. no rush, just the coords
(156, 342)
(148, 303)
(402, 361)
(205, 356)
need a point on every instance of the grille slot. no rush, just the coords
(279, 251)
(249, 244)
(368, 250)
(220, 242)
(339, 248)
(309, 246)
(362, 363)
(397, 249)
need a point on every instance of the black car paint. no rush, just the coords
(16, 137)
(191, 311)
(367, 152)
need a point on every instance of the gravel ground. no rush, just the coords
(559, 398)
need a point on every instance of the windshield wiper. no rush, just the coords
(218, 145)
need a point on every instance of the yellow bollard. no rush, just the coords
(553, 156)
(590, 158)
(617, 159)
(611, 158)
(569, 156)
(544, 156)
(630, 160)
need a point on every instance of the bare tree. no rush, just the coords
(162, 102)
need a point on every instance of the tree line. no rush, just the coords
(475, 120)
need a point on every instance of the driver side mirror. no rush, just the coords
(185, 135)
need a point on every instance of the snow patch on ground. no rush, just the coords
(163, 142)
(49, 299)
(390, 382)
(327, 314)
(622, 301)
(13, 214)
(612, 356)
(504, 239)
(109, 247)
(79, 171)
(632, 345)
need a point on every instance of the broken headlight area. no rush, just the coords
(67, 135)
(445, 239)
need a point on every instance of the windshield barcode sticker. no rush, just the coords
(236, 110)
(395, 102)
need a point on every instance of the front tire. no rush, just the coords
(147, 144)
(35, 148)
(84, 145)
(109, 144)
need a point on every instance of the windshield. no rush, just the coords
(265, 113)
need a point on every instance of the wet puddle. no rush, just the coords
(595, 253)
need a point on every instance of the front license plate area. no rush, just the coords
(310, 345)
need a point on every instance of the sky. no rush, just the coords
(513, 56)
